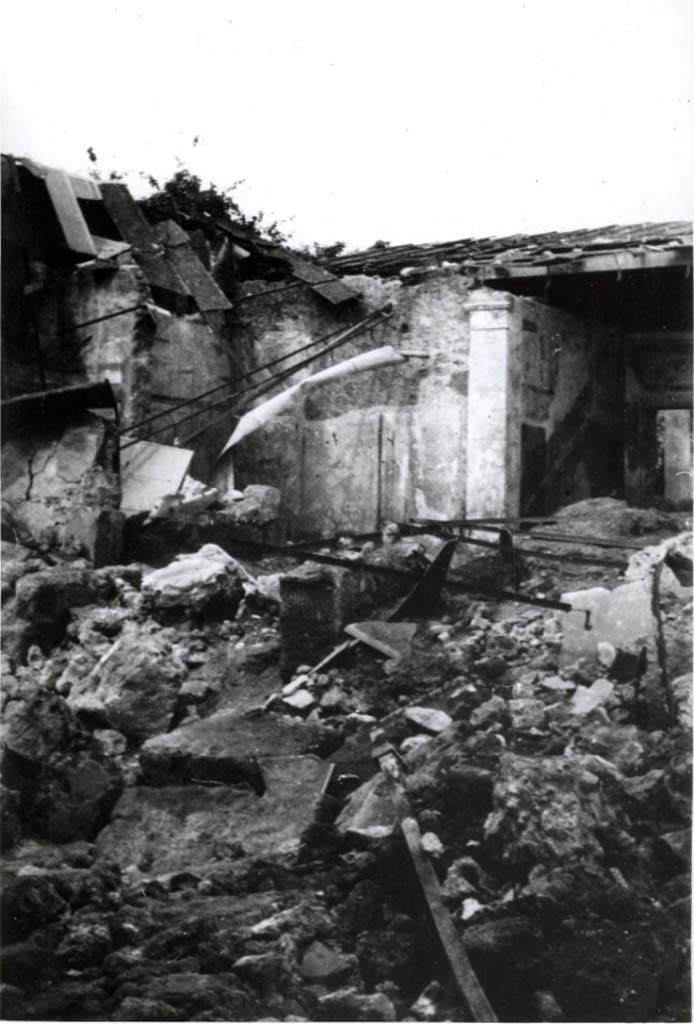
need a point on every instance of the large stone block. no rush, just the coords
(175, 828)
(205, 583)
(133, 688)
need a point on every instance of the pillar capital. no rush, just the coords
(482, 299)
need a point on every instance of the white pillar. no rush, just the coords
(494, 406)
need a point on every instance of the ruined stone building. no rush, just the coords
(540, 370)
(279, 742)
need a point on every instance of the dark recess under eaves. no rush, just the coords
(637, 300)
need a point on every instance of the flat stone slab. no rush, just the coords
(225, 746)
(620, 616)
(369, 812)
(175, 828)
(394, 639)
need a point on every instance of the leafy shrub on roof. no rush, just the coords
(182, 198)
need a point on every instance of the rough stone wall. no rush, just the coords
(573, 389)
(108, 350)
(54, 471)
(384, 445)
(186, 357)
(153, 358)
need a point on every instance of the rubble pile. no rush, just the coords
(193, 830)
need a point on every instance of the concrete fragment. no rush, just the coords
(66, 790)
(588, 698)
(394, 639)
(471, 908)
(224, 747)
(207, 582)
(412, 743)
(348, 1004)
(300, 700)
(675, 848)
(619, 617)
(551, 810)
(558, 684)
(429, 720)
(175, 828)
(456, 886)
(606, 653)
(547, 1007)
(369, 812)
(333, 699)
(676, 576)
(320, 963)
(150, 472)
(527, 714)
(493, 710)
(432, 845)
(133, 688)
(430, 1004)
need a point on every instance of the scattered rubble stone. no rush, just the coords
(428, 719)
(66, 790)
(348, 1004)
(134, 687)
(206, 583)
(587, 699)
(493, 710)
(527, 714)
(320, 963)
(229, 884)
(551, 809)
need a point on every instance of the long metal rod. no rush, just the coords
(610, 563)
(343, 335)
(230, 383)
(262, 386)
(388, 570)
(99, 319)
(286, 288)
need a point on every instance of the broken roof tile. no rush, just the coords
(522, 250)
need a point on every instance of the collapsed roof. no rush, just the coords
(635, 246)
(66, 220)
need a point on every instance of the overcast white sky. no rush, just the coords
(400, 120)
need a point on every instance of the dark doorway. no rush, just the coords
(533, 498)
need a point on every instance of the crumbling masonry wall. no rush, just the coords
(61, 485)
(374, 447)
(152, 357)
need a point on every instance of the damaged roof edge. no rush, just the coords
(613, 248)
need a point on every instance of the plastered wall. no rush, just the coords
(390, 444)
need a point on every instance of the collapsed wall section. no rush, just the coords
(152, 357)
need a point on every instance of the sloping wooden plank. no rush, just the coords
(72, 224)
(468, 984)
(127, 216)
(109, 248)
(198, 281)
(85, 188)
(333, 290)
